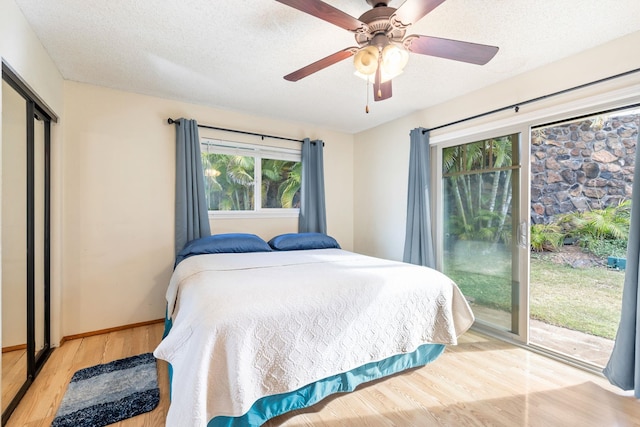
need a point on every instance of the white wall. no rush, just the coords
(118, 216)
(21, 49)
(382, 154)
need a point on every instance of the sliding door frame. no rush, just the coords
(520, 121)
(519, 307)
(36, 109)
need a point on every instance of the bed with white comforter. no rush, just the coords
(248, 326)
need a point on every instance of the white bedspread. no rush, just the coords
(251, 325)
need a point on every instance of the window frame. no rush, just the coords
(258, 152)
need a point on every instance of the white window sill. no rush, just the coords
(262, 213)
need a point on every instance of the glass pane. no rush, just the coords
(229, 181)
(478, 206)
(14, 243)
(477, 156)
(281, 181)
(581, 189)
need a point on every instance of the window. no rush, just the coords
(233, 171)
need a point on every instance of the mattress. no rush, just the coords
(246, 329)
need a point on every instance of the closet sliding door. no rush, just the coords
(25, 231)
(14, 245)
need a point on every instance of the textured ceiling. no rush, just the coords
(233, 54)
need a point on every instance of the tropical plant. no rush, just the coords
(474, 175)
(289, 189)
(546, 237)
(611, 222)
(228, 181)
(603, 232)
(281, 181)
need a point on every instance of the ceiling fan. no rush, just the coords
(382, 50)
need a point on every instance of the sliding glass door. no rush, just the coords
(482, 233)
(581, 191)
(532, 223)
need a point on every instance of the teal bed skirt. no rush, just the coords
(271, 406)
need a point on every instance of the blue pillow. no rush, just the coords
(301, 241)
(223, 243)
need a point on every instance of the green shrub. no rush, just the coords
(546, 237)
(603, 232)
(609, 223)
(606, 248)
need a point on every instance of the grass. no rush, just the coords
(583, 299)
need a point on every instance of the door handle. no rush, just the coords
(523, 235)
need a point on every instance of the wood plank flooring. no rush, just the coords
(480, 382)
(38, 407)
(14, 374)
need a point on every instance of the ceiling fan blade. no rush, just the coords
(411, 11)
(381, 91)
(385, 91)
(321, 64)
(327, 13)
(451, 49)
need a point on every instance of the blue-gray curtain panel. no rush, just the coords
(192, 219)
(418, 243)
(623, 368)
(313, 216)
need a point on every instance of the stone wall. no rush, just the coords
(582, 165)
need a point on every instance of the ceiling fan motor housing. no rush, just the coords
(377, 3)
(379, 22)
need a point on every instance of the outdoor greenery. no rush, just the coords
(546, 237)
(477, 197)
(281, 181)
(583, 299)
(477, 179)
(603, 232)
(230, 182)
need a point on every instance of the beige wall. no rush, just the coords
(382, 154)
(118, 180)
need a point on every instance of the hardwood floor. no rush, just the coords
(14, 374)
(38, 407)
(480, 382)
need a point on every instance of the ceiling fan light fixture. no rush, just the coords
(371, 78)
(366, 60)
(394, 59)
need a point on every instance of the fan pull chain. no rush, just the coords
(379, 74)
(366, 108)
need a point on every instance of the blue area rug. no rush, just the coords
(105, 394)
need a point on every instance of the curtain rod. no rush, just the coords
(516, 107)
(171, 122)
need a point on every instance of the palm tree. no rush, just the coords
(476, 211)
(289, 189)
(287, 177)
(228, 181)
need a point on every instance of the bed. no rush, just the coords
(257, 329)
